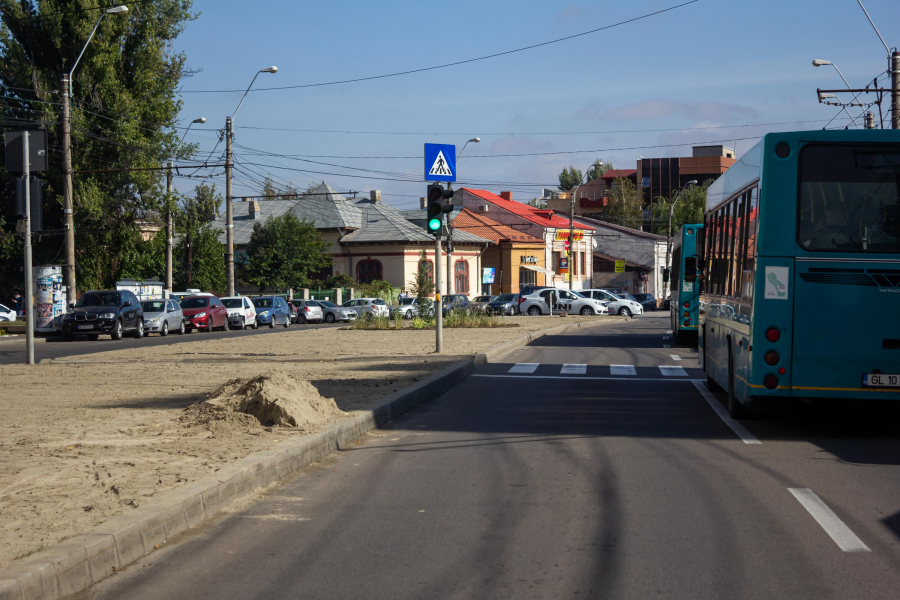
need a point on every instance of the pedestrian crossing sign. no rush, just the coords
(440, 162)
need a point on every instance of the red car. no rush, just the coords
(204, 313)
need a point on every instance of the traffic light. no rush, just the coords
(16, 188)
(437, 207)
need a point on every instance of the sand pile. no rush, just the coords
(274, 398)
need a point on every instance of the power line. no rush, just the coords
(455, 63)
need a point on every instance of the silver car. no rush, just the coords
(367, 308)
(162, 316)
(479, 303)
(333, 312)
(308, 311)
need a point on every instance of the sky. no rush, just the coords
(650, 88)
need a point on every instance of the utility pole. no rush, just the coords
(169, 229)
(895, 90)
(229, 213)
(29, 277)
(572, 241)
(438, 311)
(668, 248)
(67, 195)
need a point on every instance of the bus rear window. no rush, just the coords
(850, 198)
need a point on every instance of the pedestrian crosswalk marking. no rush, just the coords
(675, 357)
(672, 371)
(622, 370)
(573, 370)
(525, 368)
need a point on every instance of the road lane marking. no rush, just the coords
(737, 428)
(675, 357)
(666, 346)
(830, 522)
(573, 370)
(672, 371)
(665, 337)
(622, 370)
(669, 332)
(666, 379)
(525, 368)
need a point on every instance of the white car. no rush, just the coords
(366, 308)
(241, 312)
(617, 304)
(573, 303)
(7, 314)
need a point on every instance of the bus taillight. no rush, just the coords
(770, 381)
(687, 304)
(772, 334)
(687, 314)
(772, 358)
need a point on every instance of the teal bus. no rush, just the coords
(684, 304)
(800, 269)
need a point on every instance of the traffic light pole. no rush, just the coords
(438, 311)
(29, 280)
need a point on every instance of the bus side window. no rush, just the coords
(690, 268)
(749, 271)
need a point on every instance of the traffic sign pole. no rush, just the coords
(438, 311)
(29, 280)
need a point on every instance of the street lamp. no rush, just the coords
(229, 214)
(821, 63)
(690, 183)
(474, 139)
(170, 229)
(596, 164)
(67, 158)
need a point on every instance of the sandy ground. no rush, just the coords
(89, 437)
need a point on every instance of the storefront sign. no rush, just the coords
(563, 264)
(528, 260)
(563, 234)
(487, 275)
(620, 266)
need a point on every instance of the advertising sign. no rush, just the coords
(487, 275)
(620, 266)
(49, 297)
(563, 234)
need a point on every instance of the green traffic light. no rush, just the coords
(434, 224)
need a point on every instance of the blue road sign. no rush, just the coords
(440, 162)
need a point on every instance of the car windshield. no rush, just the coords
(505, 298)
(262, 302)
(153, 305)
(98, 299)
(643, 297)
(406, 301)
(849, 198)
(482, 299)
(327, 304)
(379, 302)
(233, 302)
(577, 294)
(195, 303)
(630, 297)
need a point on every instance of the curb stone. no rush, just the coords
(83, 560)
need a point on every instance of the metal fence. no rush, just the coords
(328, 294)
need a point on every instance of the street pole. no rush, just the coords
(438, 312)
(169, 229)
(229, 214)
(29, 278)
(67, 195)
(571, 242)
(895, 90)
(668, 248)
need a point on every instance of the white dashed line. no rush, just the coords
(666, 379)
(830, 522)
(737, 428)
(675, 357)
(672, 371)
(573, 370)
(666, 346)
(525, 368)
(665, 337)
(622, 370)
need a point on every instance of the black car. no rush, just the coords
(454, 302)
(114, 312)
(646, 300)
(504, 304)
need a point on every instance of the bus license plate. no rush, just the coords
(889, 380)
(85, 327)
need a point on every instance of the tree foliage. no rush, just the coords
(569, 178)
(124, 107)
(282, 253)
(690, 206)
(625, 205)
(199, 261)
(599, 169)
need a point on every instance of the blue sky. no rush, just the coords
(709, 64)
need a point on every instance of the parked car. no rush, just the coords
(569, 301)
(241, 312)
(409, 308)
(179, 296)
(113, 312)
(504, 304)
(617, 304)
(454, 302)
(206, 313)
(647, 301)
(367, 308)
(162, 316)
(272, 311)
(332, 312)
(7, 314)
(480, 303)
(527, 291)
(308, 311)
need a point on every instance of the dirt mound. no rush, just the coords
(274, 398)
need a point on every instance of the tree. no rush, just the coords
(690, 207)
(203, 207)
(569, 178)
(270, 189)
(124, 110)
(282, 252)
(599, 170)
(626, 205)
(538, 203)
(422, 285)
(199, 261)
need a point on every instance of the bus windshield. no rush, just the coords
(850, 198)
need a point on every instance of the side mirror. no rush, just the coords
(126, 303)
(665, 276)
(71, 305)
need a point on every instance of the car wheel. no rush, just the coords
(255, 324)
(165, 329)
(408, 315)
(287, 321)
(534, 311)
(302, 319)
(181, 329)
(272, 323)
(117, 331)
(209, 325)
(587, 311)
(243, 323)
(139, 332)
(329, 318)
(624, 312)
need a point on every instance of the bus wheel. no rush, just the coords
(736, 410)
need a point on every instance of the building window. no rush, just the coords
(461, 279)
(527, 277)
(368, 271)
(556, 256)
(582, 266)
(429, 266)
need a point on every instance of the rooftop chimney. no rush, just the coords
(423, 204)
(506, 196)
(375, 196)
(253, 209)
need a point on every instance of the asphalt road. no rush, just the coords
(587, 471)
(13, 352)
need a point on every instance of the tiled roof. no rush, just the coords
(616, 173)
(523, 210)
(598, 224)
(472, 222)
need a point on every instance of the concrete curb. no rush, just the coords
(81, 561)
